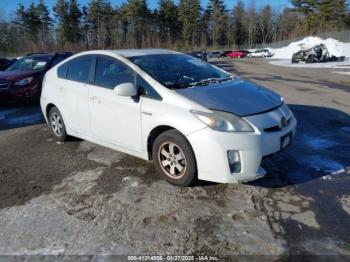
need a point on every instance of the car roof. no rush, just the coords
(39, 55)
(142, 52)
(49, 54)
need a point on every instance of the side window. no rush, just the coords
(62, 71)
(110, 73)
(79, 69)
(146, 89)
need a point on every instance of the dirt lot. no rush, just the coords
(79, 198)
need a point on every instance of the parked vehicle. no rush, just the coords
(224, 53)
(238, 54)
(22, 80)
(214, 54)
(202, 55)
(193, 119)
(317, 54)
(5, 63)
(261, 53)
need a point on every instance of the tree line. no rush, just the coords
(186, 25)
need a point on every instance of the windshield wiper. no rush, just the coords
(200, 83)
(178, 86)
(209, 81)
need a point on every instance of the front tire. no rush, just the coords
(174, 158)
(57, 125)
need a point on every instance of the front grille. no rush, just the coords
(276, 128)
(4, 84)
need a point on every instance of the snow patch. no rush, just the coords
(288, 63)
(334, 47)
(341, 72)
(345, 203)
(322, 164)
(100, 154)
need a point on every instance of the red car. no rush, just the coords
(238, 54)
(22, 80)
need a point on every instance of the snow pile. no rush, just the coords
(334, 47)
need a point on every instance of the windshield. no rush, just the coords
(30, 63)
(179, 71)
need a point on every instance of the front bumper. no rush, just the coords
(210, 147)
(13, 93)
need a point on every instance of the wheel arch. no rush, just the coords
(49, 106)
(157, 131)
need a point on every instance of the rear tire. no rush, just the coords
(57, 125)
(174, 158)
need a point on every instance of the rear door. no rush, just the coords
(74, 91)
(114, 119)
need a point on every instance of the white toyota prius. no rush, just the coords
(194, 120)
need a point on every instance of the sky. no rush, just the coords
(11, 5)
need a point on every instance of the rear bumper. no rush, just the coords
(211, 147)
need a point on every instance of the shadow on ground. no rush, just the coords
(20, 115)
(308, 181)
(321, 148)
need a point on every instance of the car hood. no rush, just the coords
(14, 75)
(238, 96)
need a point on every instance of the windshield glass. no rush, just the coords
(177, 70)
(30, 63)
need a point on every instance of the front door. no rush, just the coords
(114, 119)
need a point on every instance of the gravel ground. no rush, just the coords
(77, 198)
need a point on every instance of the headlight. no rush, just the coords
(224, 122)
(25, 81)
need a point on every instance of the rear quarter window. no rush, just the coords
(62, 71)
(79, 69)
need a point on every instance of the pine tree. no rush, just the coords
(99, 19)
(332, 14)
(189, 17)
(45, 20)
(75, 15)
(321, 15)
(137, 17)
(238, 23)
(265, 24)
(29, 20)
(218, 21)
(168, 20)
(251, 24)
(61, 10)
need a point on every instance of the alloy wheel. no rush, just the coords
(56, 124)
(172, 160)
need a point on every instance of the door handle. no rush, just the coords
(95, 98)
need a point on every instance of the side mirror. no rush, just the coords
(126, 89)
